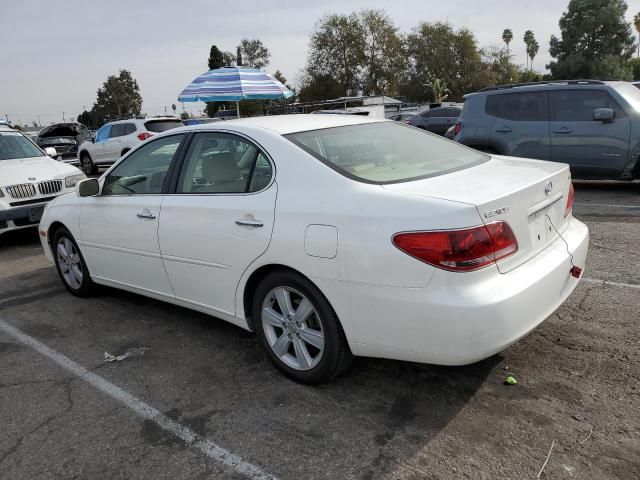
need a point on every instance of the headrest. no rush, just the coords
(220, 167)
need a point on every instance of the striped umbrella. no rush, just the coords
(228, 84)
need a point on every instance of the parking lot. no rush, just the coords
(201, 400)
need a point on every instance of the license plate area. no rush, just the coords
(540, 228)
(35, 214)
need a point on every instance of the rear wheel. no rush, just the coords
(298, 328)
(70, 264)
(87, 164)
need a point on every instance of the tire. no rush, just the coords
(71, 267)
(311, 350)
(87, 165)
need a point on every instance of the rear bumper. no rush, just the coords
(461, 318)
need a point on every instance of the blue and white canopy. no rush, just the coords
(228, 84)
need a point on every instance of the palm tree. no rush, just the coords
(507, 36)
(528, 39)
(532, 51)
(636, 23)
(439, 89)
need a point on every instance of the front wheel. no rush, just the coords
(70, 264)
(298, 329)
(87, 165)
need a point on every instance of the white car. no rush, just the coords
(114, 139)
(29, 178)
(330, 236)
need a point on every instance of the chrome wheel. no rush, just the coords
(69, 262)
(87, 165)
(293, 328)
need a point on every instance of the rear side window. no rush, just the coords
(452, 112)
(117, 130)
(578, 106)
(158, 126)
(129, 128)
(524, 107)
(385, 152)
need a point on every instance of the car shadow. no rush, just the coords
(378, 413)
(19, 238)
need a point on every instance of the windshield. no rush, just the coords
(15, 145)
(630, 93)
(158, 126)
(385, 152)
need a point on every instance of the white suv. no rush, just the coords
(114, 139)
(29, 179)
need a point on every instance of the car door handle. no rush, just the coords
(247, 222)
(563, 130)
(504, 130)
(145, 214)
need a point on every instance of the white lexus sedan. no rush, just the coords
(329, 236)
(29, 178)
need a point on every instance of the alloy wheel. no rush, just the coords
(69, 262)
(293, 328)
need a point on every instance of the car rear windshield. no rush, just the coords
(15, 145)
(158, 126)
(385, 152)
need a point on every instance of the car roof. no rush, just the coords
(545, 85)
(145, 119)
(285, 124)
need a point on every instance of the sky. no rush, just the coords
(56, 54)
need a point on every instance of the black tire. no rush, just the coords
(85, 287)
(87, 165)
(336, 356)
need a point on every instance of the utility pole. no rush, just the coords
(39, 122)
(165, 110)
(63, 116)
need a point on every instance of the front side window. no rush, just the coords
(223, 163)
(522, 107)
(15, 145)
(385, 152)
(578, 106)
(143, 171)
(103, 133)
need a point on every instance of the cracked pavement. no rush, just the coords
(577, 376)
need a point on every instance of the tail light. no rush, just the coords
(572, 196)
(457, 128)
(143, 136)
(460, 250)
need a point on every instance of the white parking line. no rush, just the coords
(209, 448)
(608, 205)
(613, 284)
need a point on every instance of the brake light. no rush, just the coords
(460, 250)
(572, 196)
(143, 136)
(457, 128)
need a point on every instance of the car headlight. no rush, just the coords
(71, 181)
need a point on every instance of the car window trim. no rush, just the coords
(173, 188)
(128, 157)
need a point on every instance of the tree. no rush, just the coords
(636, 23)
(596, 41)
(532, 50)
(439, 89)
(253, 53)
(280, 77)
(86, 119)
(436, 50)
(216, 60)
(529, 38)
(384, 56)
(498, 62)
(507, 36)
(238, 57)
(634, 64)
(319, 87)
(119, 97)
(336, 51)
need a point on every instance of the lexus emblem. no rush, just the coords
(548, 187)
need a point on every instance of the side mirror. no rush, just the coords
(88, 187)
(604, 115)
(51, 152)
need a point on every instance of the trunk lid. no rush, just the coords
(530, 195)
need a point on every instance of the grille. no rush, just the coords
(24, 190)
(49, 187)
